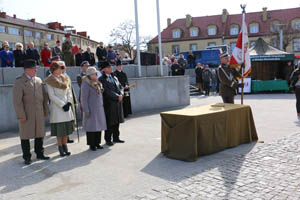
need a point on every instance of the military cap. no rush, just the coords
(224, 55)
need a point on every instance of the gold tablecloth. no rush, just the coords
(189, 133)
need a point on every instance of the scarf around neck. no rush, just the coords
(56, 82)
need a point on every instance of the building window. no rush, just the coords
(296, 24)
(49, 36)
(38, 35)
(194, 32)
(63, 38)
(211, 44)
(234, 29)
(13, 31)
(296, 42)
(175, 49)
(2, 29)
(254, 28)
(274, 26)
(28, 33)
(193, 47)
(176, 34)
(232, 46)
(252, 43)
(212, 30)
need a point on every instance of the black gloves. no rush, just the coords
(241, 85)
(66, 107)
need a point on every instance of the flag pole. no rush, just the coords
(243, 50)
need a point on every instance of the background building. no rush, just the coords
(196, 33)
(16, 30)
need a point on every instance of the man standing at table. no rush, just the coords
(30, 102)
(228, 80)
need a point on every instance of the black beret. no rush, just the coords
(30, 63)
(105, 64)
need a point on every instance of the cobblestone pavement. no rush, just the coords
(137, 170)
(269, 171)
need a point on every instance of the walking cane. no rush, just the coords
(77, 125)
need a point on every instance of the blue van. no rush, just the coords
(208, 57)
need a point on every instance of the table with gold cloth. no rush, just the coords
(189, 133)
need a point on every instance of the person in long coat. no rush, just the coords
(32, 53)
(61, 115)
(79, 57)
(122, 77)
(295, 84)
(67, 54)
(74, 100)
(30, 102)
(56, 51)
(89, 56)
(113, 96)
(19, 55)
(199, 80)
(176, 69)
(46, 55)
(94, 120)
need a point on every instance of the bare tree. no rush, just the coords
(124, 36)
(289, 33)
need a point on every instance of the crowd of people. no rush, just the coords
(69, 53)
(104, 102)
(206, 78)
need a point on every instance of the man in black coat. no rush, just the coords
(89, 56)
(101, 54)
(32, 53)
(176, 69)
(112, 99)
(122, 77)
(79, 57)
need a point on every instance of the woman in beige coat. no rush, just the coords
(61, 115)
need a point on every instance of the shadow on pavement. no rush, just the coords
(39, 171)
(227, 162)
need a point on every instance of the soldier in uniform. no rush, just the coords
(228, 80)
(30, 102)
(67, 54)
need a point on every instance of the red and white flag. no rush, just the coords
(237, 55)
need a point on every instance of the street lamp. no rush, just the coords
(280, 34)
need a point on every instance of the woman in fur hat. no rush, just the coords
(93, 111)
(61, 115)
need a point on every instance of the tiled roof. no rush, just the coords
(35, 25)
(284, 16)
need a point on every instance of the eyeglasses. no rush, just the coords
(62, 67)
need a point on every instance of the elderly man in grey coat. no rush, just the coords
(94, 120)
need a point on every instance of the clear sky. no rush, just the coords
(99, 17)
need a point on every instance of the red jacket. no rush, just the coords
(46, 55)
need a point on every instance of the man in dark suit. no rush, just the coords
(32, 53)
(79, 57)
(89, 56)
(112, 99)
(101, 53)
(122, 77)
(228, 80)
